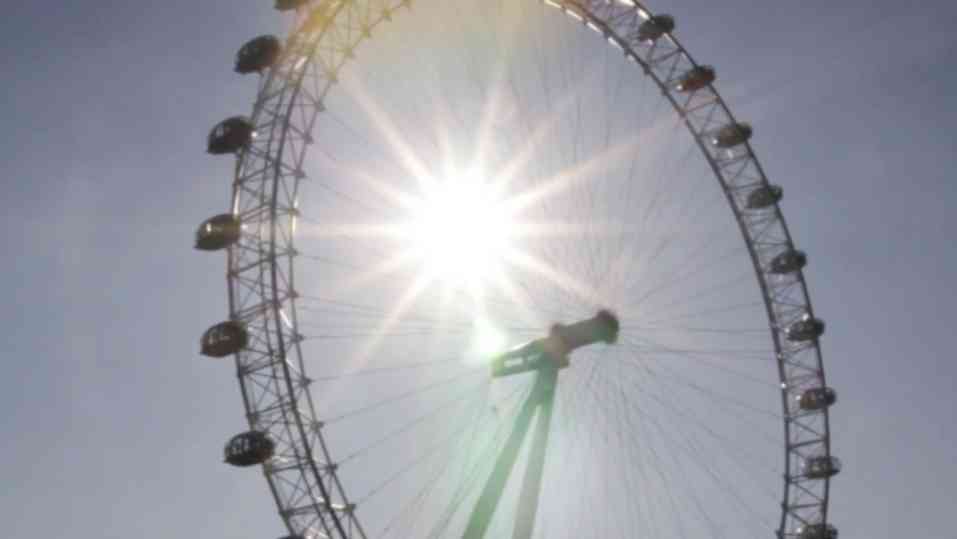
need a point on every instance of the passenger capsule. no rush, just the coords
(817, 398)
(821, 467)
(224, 339)
(816, 531)
(696, 78)
(230, 135)
(257, 54)
(805, 329)
(764, 196)
(249, 448)
(289, 5)
(788, 261)
(655, 27)
(218, 232)
(731, 135)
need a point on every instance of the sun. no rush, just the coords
(461, 229)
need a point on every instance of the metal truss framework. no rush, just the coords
(262, 293)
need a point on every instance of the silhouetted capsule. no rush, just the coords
(696, 78)
(805, 329)
(816, 531)
(821, 467)
(257, 54)
(788, 261)
(732, 135)
(218, 232)
(817, 398)
(764, 196)
(224, 339)
(249, 448)
(230, 135)
(655, 27)
(289, 5)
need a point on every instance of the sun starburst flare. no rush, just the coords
(452, 235)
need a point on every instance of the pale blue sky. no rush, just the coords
(114, 426)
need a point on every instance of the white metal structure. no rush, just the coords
(337, 353)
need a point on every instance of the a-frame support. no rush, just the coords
(545, 357)
(540, 400)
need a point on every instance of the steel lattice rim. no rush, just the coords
(261, 279)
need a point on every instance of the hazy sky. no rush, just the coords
(114, 426)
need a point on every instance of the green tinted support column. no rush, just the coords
(541, 399)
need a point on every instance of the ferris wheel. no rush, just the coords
(512, 269)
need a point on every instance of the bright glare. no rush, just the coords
(461, 229)
(488, 340)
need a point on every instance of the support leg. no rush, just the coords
(540, 399)
(532, 485)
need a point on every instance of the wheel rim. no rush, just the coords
(263, 292)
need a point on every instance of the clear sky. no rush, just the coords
(114, 425)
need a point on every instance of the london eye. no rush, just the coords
(512, 269)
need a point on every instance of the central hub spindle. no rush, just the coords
(552, 351)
